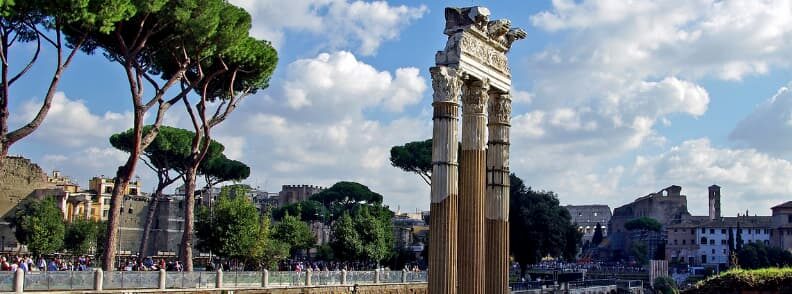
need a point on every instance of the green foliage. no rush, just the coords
(231, 229)
(643, 223)
(81, 235)
(170, 150)
(295, 233)
(414, 157)
(571, 243)
(39, 225)
(539, 225)
(597, 238)
(268, 251)
(774, 280)
(309, 210)
(362, 237)
(218, 169)
(665, 285)
(758, 255)
(347, 196)
(235, 191)
(640, 251)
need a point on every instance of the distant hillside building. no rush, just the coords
(781, 235)
(667, 206)
(291, 194)
(587, 217)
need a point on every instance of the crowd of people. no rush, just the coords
(149, 264)
(28, 264)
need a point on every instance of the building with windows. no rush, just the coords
(704, 240)
(291, 194)
(587, 217)
(781, 234)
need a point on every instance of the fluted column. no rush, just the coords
(497, 203)
(446, 84)
(472, 189)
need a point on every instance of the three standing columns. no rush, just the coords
(497, 203)
(446, 83)
(468, 251)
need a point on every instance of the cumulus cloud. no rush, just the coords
(343, 23)
(70, 122)
(339, 83)
(769, 127)
(749, 179)
(314, 129)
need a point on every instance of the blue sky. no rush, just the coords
(613, 99)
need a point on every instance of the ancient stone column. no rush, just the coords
(497, 202)
(445, 183)
(472, 188)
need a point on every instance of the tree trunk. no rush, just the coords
(152, 213)
(189, 219)
(123, 175)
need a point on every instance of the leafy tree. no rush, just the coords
(639, 250)
(159, 45)
(347, 196)
(268, 250)
(166, 154)
(597, 238)
(376, 235)
(220, 169)
(81, 236)
(43, 22)
(665, 285)
(231, 230)
(226, 78)
(758, 255)
(295, 233)
(539, 226)
(414, 157)
(39, 225)
(309, 210)
(346, 241)
(571, 242)
(643, 223)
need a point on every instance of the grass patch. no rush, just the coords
(735, 281)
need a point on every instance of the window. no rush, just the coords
(675, 241)
(703, 230)
(105, 212)
(692, 231)
(108, 190)
(749, 231)
(723, 231)
(789, 218)
(675, 230)
(683, 242)
(704, 258)
(724, 251)
(712, 231)
(712, 242)
(723, 242)
(107, 201)
(713, 251)
(703, 240)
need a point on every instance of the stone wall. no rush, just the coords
(418, 288)
(19, 180)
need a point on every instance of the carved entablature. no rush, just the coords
(479, 46)
(474, 96)
(446, 83)
(500, 108)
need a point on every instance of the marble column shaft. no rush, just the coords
(446, 84)
(497, 203)
(472, 189)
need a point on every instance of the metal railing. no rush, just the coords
(116, 280)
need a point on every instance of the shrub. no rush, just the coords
(665, 285)
(735, 281)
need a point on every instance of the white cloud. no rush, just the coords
(342, 23)
(336, 83)
(749, 179)
(315, 130)
(70, 122)
(769, 127)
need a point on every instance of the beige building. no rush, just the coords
(781, 235)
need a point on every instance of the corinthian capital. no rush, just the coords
(474, 96)
(446, 83)
(500, 108)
